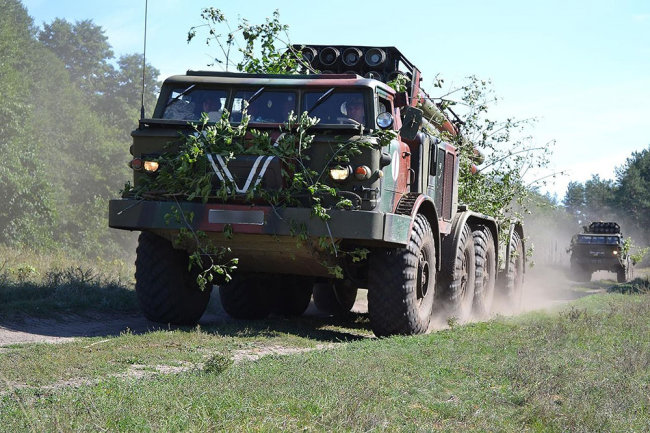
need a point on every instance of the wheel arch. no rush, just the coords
(473, 219)
(415, 203)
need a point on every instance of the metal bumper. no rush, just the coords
(160, 216)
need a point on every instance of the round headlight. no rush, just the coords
(339, 173)
(384, 120)
(151, 166)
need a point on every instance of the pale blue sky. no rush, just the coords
(581, 67)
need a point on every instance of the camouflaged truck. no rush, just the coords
(599, 247)
(425, 249)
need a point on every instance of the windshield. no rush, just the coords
(189, 103)
(267, 106)
(336, 107)
(609, 240)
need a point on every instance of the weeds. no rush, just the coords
(636, 286)
(25, 290)
(217, 363)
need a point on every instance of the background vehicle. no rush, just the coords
(425, 250)
(600, 247)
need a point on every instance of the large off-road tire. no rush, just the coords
(247, 296)
(334, 297)
(401, 284)
(514, 278)
(486, 271)
(580, 274)
(167, 291)
(291, 294)
(458, 276)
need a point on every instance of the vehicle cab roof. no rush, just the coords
(282, 80)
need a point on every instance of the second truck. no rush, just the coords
(384, 217)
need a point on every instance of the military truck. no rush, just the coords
(426, 253)
(599, 247)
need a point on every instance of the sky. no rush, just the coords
(581, 68)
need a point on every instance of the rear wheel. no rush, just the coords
(291, 294)
(514, 278)
(458, 276)
(580, 274)
(167, 291)
(486, 269)
(246, 296)
(401, 284)
(334, 297)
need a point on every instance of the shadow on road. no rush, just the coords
(64, 327)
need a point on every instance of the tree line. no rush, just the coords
(625, 199)
(68, 106)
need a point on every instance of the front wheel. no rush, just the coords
(167, 291)
(401, 284)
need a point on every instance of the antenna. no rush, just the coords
(144, 57)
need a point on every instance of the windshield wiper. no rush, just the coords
(322, 99)
(179, 95)
(255, 95)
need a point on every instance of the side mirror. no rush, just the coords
(411, 122)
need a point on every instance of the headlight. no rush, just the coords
(339, 173)
(150, 166)
(615, 253)
(384, 120)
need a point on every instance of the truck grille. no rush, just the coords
(243, 173)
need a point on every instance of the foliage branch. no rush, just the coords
(185, 173)
(255, 44)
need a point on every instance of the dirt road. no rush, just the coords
(544, 288)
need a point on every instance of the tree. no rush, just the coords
(84, 49)
(633, 188)
(256, 44)
(123, 93)
(574, 199)
(24, 193)
(498, 186)
(599, 198)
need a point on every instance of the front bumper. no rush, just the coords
(364, 226)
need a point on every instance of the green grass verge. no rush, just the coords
(585, 368)
(41, 285)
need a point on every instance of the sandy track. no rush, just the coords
(545, 288)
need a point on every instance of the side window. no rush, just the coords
(383, 106)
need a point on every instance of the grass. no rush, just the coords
(584, 368)
(41, 285)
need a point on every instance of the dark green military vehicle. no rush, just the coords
(600, 247)
(424, 250)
